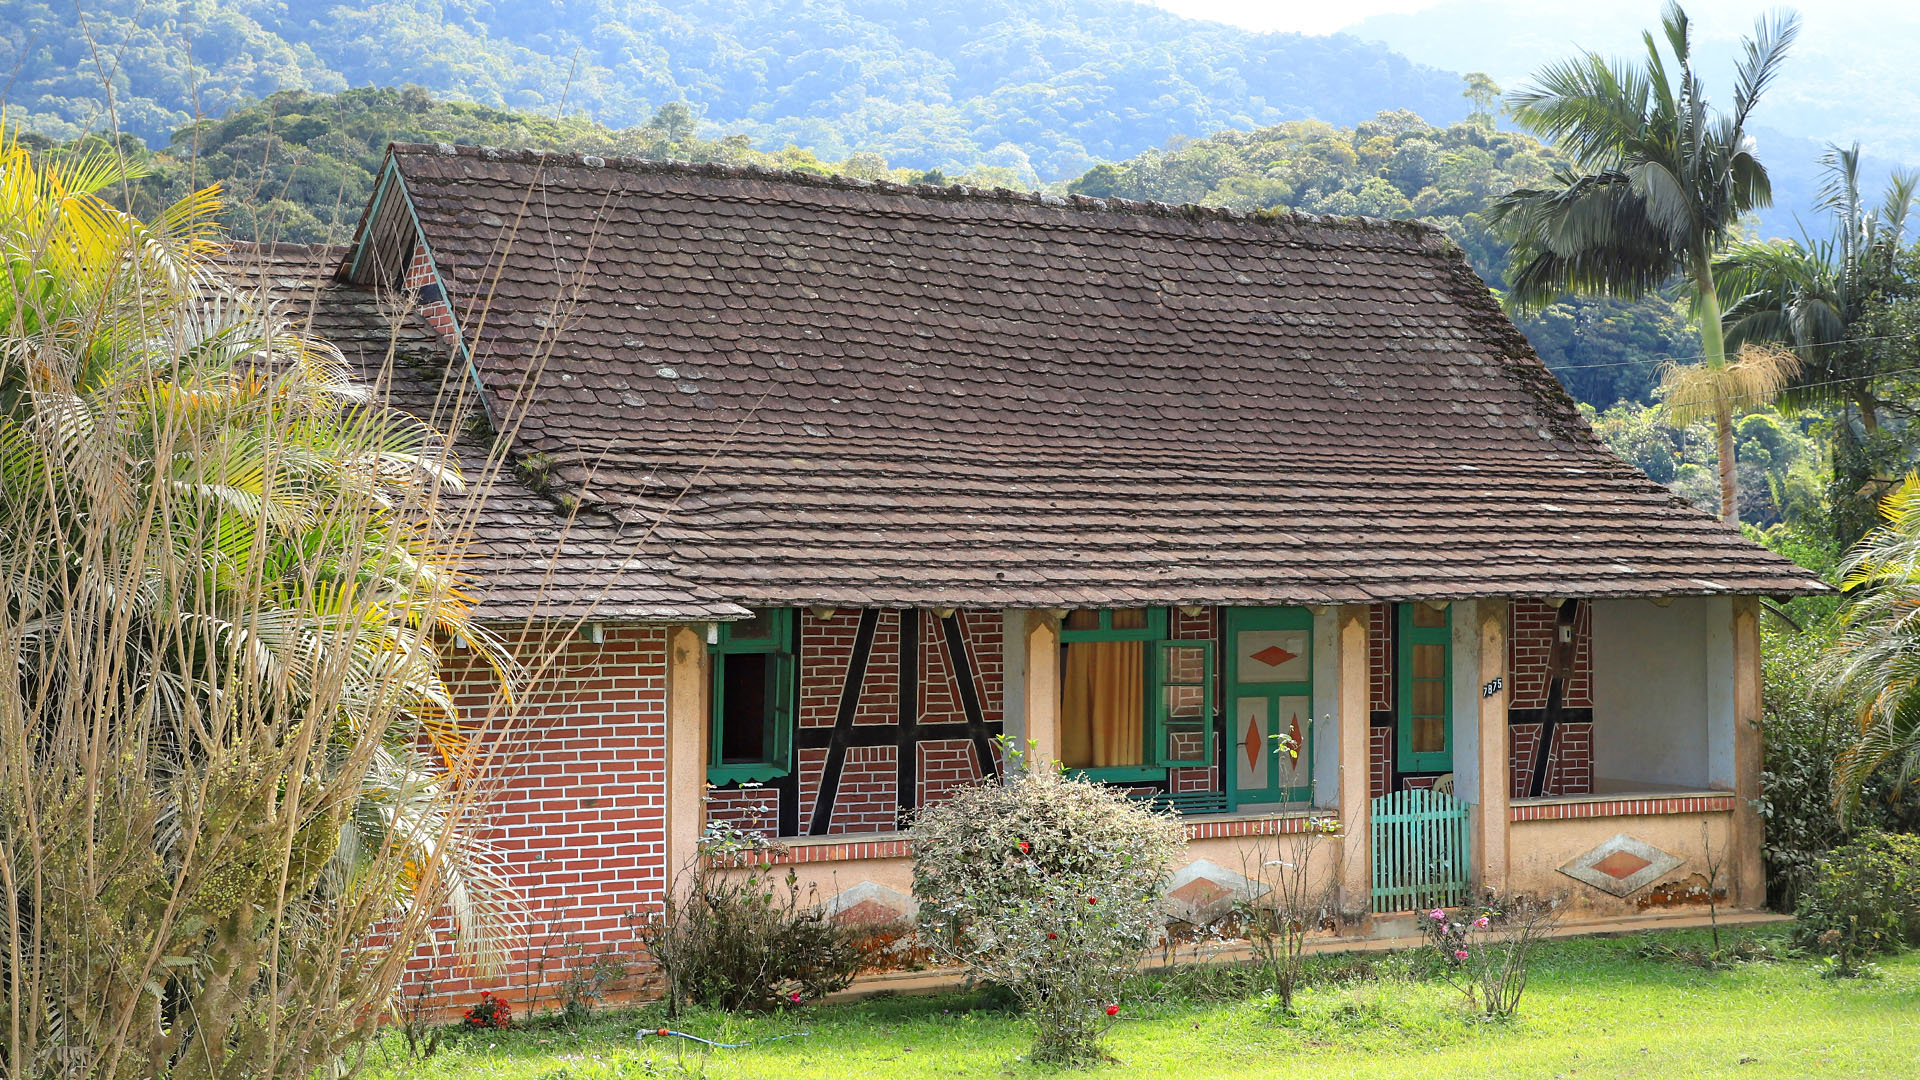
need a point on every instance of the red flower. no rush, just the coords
(1093, 899)
(1113, 1010)
(1025, 847)
(1051, 935)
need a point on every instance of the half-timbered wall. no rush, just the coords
(896, 708)
(1541, 709)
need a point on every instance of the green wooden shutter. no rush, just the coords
(1183, 702)
(779, 706)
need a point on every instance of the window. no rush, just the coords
(1424, 664)
(1132, 703)
(753, 695)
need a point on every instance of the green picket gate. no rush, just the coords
(1420, 851)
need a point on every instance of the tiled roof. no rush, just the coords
(841, 393)
(527, 558)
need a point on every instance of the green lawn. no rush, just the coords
(1594, 1008)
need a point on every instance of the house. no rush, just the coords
(830, 483)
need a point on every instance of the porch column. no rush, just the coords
(1747, 871)
(685, 773)
(1356, 857)
(1043, 689)
(1491, 824)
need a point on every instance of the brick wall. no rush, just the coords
(1569, 763)
(826, 649)
(751, 810)
(1570, 766)
(580, 818)
(1530, 655)
(1379, 657)
(438, 313)
(867, 799)
(945, 764)
(1379, 760)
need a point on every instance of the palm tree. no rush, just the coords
(1809, 296)
(228, 758)
(1657, 182)
(1876, 663)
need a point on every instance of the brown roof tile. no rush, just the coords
(831, 392)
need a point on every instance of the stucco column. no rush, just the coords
(686, 750)
(1356, 858)
(1491, 824)
(1744, 864)
(1043, 689)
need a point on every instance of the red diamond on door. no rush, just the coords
(1274, 656)
(1253, 743)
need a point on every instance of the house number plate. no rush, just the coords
(1493, 687)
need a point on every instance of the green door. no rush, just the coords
(1269, 694)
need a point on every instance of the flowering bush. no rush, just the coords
(1049, 886)
(1484, 947)
(489, 1012)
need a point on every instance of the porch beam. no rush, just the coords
(1354, 718)
(688, 678)
(1491, 822)
(1747, 869)
(1042, 641)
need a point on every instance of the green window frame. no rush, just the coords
(766, 642)
(1161, 713)
(1155, 630)
(1412, 642)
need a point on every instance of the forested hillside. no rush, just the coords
(1398, 165)
(1045, 88)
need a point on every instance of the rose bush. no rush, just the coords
(1048, 885)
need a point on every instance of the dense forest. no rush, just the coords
(1045, 89)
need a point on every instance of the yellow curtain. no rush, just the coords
(1103, 691)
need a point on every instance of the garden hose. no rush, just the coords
(661, 1033)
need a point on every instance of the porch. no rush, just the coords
(1588, 748)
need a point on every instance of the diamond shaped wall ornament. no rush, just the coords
(1203, 891)
(1255, 745)
(1274, 656)
(1622, 866)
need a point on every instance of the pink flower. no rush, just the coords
(794, 997)
(1437, 915)
(1459, 954)
(1113, 1010)
(1481, 921)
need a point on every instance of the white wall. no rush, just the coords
(1464, 619)
(1326, 708)
(1661, 678)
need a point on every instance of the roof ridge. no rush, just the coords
(1192, 212)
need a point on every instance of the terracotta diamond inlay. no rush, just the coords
(1273, 656)
(1622, 866)
(1253, 744)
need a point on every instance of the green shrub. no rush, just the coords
(1805, 730)
(741, 936)
(1865, 900)
(1049, 886)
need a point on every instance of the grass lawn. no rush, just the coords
(1594, 1008)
